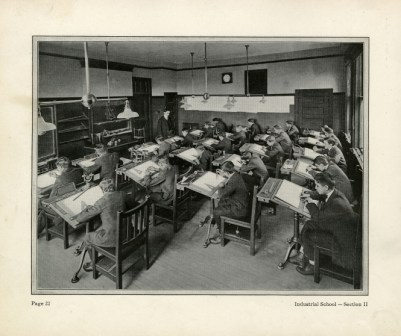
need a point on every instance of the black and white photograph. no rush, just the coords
(200, 165)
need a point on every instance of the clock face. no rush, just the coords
(227, 78)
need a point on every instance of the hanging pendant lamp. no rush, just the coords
(229, 105)
(127, 113)
(206, 94)
(263, 100)
(44, 126)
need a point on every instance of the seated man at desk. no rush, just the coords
(239, 138)
(234, 199)
(65, 175)
(343, 184)
(224, 145)
(292, 130)
(107, 207)
(219, 125)
(188, 138)
(334, 153)
(164, 146)
(283, 139)
(161, 186)
(254, 129)
(105, 164)
(332, 223)
(205, 158)
(329, 133)
(274, 152)
(208, 130)
(256, 167)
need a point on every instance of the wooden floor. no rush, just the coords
(180, 264)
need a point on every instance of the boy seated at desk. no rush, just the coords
(107, 207)
(205, 158)
(188, 138)
(233, 199)
(343, 184)
(224, 145)
(283, 139)
(274, 152)
(105, 164)
(164, 146)
(254, 129)
(334, 153)
(160, 186)
(219, 125)
(329, 133)
(238, 138)
(65, 175)
(256, 167)
(332, 224)
(208, 130)
(292, 130)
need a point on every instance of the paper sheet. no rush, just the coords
(149, 149)
(289, 193)
(140, 171)
(301, 167)
(209, 142)
(87, 163)
(312, 141)
(236, 159)
(189, 155)
(209, 181)
(310, 154)
(73, 205)
(45, 180)
(197, 132)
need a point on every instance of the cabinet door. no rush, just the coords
(47, 143)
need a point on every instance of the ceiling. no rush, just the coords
(176, 54)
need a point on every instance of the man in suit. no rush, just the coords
(283, 139)
(161, 186)
(343, 184)
(207, 130)
(239, 138)
(224, 145)
(164, 127)
(107, 207)
(329, 133)
(65, 175)
(219, 125)
(188, 139)
(332, 225)
(105, 164)
(254, 129)
(334, 153)
(256, 167)
(292, 130)
(274, 151)
(205, 158)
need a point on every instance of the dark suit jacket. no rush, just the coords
(163, 127)
(337, 218)
(274, 153)
(343, 184)
(207, 133)
(285, 142)
(163, 183)
(164, 148)
(221, 127)
(106, 165)
(255, 129)
(107, 207)
(70, 175)
(188, 141)
(257, 167)
(239, 138)
(224, 145)
(293, 133)
(205, 160)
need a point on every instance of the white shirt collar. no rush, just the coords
(329, 194)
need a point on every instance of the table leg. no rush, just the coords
(294, 241)
(207, 241)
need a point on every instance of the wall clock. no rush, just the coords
(227, 77)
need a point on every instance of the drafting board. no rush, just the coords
(190, 155)
(207, 184)
(174, 139)
(138, 172)
(209, 142)
(46, 180)
(310, 154)
(253, 148)
(148, 148)
(197, 133)
(87, 163)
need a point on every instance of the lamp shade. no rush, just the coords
(127, 113)
(44, 126)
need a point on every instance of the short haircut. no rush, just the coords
(107, 185)
(325, 179)
(163, 159)
(277, 127)
(331, 141)
(271, 138)
(328, 129)
(217, 119)
(185, 130)
(101, 148)
(228, 166)
(320, 160)
(252, 120)
(200, 147)
(159, 138)
(63, 162)
(291, 122)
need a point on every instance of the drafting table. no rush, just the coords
(286, 194)
(234, 158)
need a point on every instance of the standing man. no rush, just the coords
(164, 127)
(254, 129)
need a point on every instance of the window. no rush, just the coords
(257, 82)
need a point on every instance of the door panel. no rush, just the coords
(142, 100)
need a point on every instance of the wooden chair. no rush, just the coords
(139, 134)
(351, 276)
(60, 231)
(132, 234)
(229, 224)
(169, 213)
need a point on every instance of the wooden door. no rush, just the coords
(141, 103)
(171, 104)
(314, 108)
